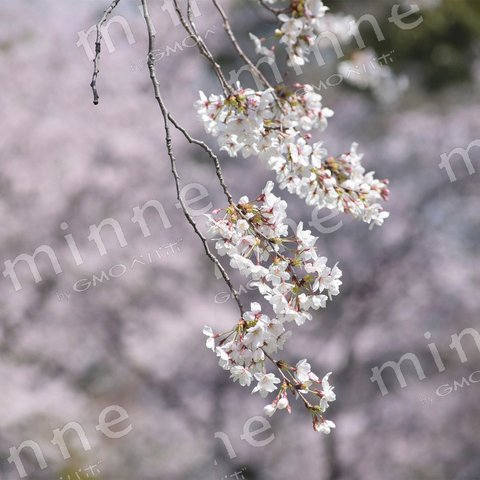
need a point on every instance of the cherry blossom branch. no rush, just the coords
(287, 380)
(168, 141)
(170, 118)
(274, 124)
(98, 49)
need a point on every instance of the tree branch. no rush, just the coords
(168, 140)
(98, 49)
(192, 31)
(241, 53)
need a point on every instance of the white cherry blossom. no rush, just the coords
(303, 369)
(324, 426)
(278, 125)
(241, 374)
(210, 343)
(274, 125)
(266, 383)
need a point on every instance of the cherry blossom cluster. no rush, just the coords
(293, 279)
(302, 23)
(276, 125)
(243, 351)
(286, 269)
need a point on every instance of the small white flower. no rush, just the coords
(258, 355)
(325, 426)
(282, 403)
(260, 49)
(327, 389)
(270, 409)
(241, 374)
(303, 371)
(256, 335)
(266, 383)
(224, 358)
(210, 337)
(255, 308)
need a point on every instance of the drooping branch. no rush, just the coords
(98, 49)
(168, 140)
(254, 235)
(209, 151)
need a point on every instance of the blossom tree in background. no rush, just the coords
(276, 124)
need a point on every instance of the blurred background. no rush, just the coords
(125, 328)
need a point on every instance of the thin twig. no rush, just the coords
(98, 49)
(289, 382)
(238, 48)
(210, 153)
(168, 141)
(202, 47)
